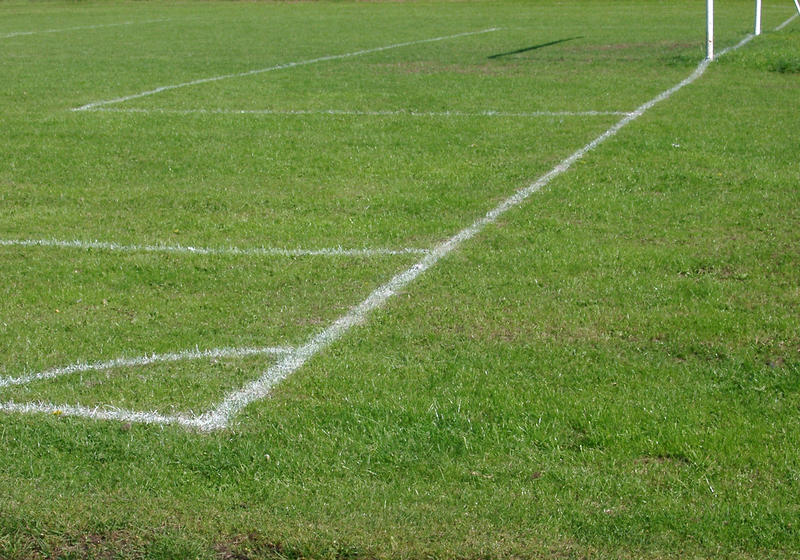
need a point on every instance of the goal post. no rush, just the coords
(710, 29)
(758, 18)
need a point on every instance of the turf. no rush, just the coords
(611, 370)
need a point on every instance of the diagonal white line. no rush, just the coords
(790, 20)
(278, 67)
(195, 354)
(63, 29)
(253, 251)
(338, 112)
(235, 401)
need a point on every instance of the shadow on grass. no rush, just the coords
(534, 47)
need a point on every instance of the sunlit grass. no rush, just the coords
(611, 370)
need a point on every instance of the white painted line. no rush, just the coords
(100, 413)
(63, 29)
(278, 67)
(253, 251)
(195, 354)
(235, 401)
(336, 112)
(788, 21)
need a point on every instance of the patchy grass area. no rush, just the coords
(611, 370)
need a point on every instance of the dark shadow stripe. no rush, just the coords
(533, 48)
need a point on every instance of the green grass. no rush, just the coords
(611, 370)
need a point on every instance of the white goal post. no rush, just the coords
(710, 29)
(710, 24)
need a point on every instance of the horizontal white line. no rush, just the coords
(252, 251)
(21, 33)
(100, 413)
(277, 67)
(337, 112)
(141, 361)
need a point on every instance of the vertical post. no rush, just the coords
(710, 29)
(758, 17)
(797, 4)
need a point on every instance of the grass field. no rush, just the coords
(253, 305)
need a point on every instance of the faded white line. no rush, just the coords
(337, 112)
(278, 67)
(235, 401)
(790, 20)
(140, 361)
(63, 29)
(100, 413)
(252, 251)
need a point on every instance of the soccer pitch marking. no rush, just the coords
(195, 354)
(100, 413)
(787, 22)
(279, 67)
(234, 402)
(231, 251)
(221, 416)
(339, 112)
(81, 27)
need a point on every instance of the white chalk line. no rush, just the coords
(278, 67)
(338, 112)
(235, 401)
(100, 413)
(195, 354)
(220, 417)
(81, 27)
(787, 22)
(234, 251)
